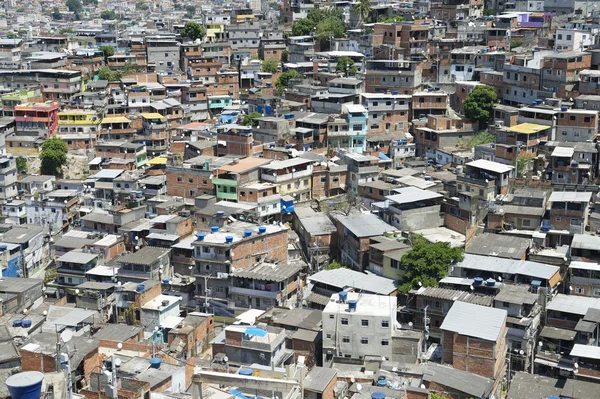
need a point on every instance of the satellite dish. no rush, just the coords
(119, 346)
(66, 335)
(358, 387)
(117, 362)
(352, 380)
(225, 359)
(410, 324)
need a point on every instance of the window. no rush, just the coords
(526, 222)
(569, 37)
(559, 36)
(346, 340)
(596, 292)
(179, 179)
(385, 342)
(385, 324)
(364, 341)
(329, 336)
(579, 290)
(344, 321)
(190, 180)
(356, 128)
(323, 179)
(505, 304)
(331, 316)
(364, 323)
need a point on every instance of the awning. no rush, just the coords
(527, 128)
(317, 298)
(157, 161)
(383, 156)
(95, 161)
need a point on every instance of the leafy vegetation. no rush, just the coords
(269, 66)
(285, 55)
(480, 104)
(488, 11)
(53, 156)
(326, 23)
(193, 30)
(56, 15)
(249, 120)
(522, 162)
(108, 14)
(21, 164)
(284, 79)
(141, 6)
(426, 263)
(50, 275)
(74, 6)
(346, 65)
(108, 51)
(515, 43)
(105, 73)
(362, 9)
(391, 20)
(190, 10)
(483, 137)
(335, 265)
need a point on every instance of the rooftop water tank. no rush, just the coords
(140, 288)
(246, 372)
(343, 296)
(477, 281)
(564, 108)
(262, 229)
(382, 381)
(220, 214)
(17, 323)
(26, 385)
(3, 247)
(490, 282)
(247, 233)
(214, 229)
(26, 323)
(155, 362)
(352, 305)
(200, 237)
(229, 239)
(378, 395)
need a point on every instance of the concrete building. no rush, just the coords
(357, 325)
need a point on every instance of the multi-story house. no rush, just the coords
(573, 163)
(385, 255)
(570, 39)
(294, 177)
(569, 212)
(561, 72)
(264, 285)
(244, 344)
(72, 266)
(162, 53)
(485, 178)
(395, 76)
(55, 84)
(349, 132)
(147, 263)
(8, 176)
(430, 102)
(116, 128)
(264, 197)
(439, 132)
(128, 155)
(357, 325)
(154, 133)
(78, 121)
(38, 117)
(11, 100)
(576, 125)
(228, 178)
(301, 48)
(411, 208)
(234, 246)
(386, 112)
(56, 209)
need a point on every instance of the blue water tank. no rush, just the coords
(490, 282)
(245, 371)
(477, 281)
(395, 92)
(26, 385)
(17, 323)
(214, 229)
(247, 233)
(139, 194)
(200, 237)
(378, 395)
(268, 110)
(343, 296)
(564, 108)
(229, 239)
(26, 323)
(140, 288)
(155, 362)
(220, 214)
(3, 247)
(352, 304)
(262, 229)
(382, 381)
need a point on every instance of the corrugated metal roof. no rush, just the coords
(365, 224)
(341, 278)
(584, 241)
(475, 321)
(268, 271)
(570, 196)
(586, 351)
(145, 256)
(491, 166)
(573, 304)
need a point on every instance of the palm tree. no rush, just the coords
(362, 9)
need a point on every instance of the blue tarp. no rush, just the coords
(383, 156)
(256, 331)
(536, 283)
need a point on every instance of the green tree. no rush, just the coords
(249, 120)
(193, 30)
(53, 156)
(426, 263)
(49, 275)
(64, 31)
(108, 14)
(488, 11)
(335, 265)
(141, 6)
(284, 79)
(74, 6)
(479, 104)
(269, 66)
(105, 73)
(108, 51)
(330, 28)
(56, 15)
(303, 27)
(362, 9)
(285, 55)
(346, 65)
(11, 35)
(129, 68)
(21, 164)
(522, 162)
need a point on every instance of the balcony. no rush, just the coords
(254, 293)
(224, 182)
(285, 177)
